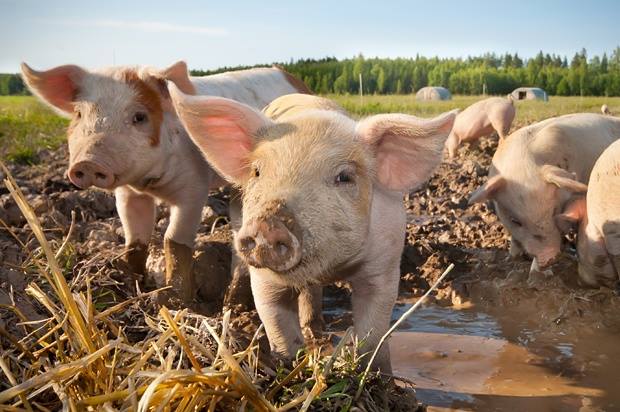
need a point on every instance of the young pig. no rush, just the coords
(481, 119)
(125, 136)
(322, 200)
(537, 170)
(598, 216)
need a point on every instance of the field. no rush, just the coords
(75, 331)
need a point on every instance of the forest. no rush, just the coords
(488, 74)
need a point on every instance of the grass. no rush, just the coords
(26, 127)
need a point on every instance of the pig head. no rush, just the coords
(322, 200)
(117, 116)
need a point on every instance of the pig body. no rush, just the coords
(481, 119)
(322, 200)
(535, 172)
(598, 215)
(125, 136)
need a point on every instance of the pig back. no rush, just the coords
(291, 105)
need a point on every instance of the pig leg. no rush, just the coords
(452, 145)
(277, 308)
(500, 128)
(310, 309)
(239, 292)
(515, 250)
(137, 213)
(178, 247)
(373, 299)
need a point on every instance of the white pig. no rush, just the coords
(598, 216)
(535, 172)
(481, 119)
(125, 136)
(322, 200)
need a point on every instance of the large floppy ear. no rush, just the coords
(407, 148)
(562, 179)
(573, 213)
(488, 190)
(58, 86)
(223, 129)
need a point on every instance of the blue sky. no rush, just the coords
(211, 34)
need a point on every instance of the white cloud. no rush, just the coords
(147, 26)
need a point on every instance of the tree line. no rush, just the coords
(490, 73)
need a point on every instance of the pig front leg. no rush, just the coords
(277, 308)
(310, 303)
(137, 214)
(373, 299)
(239, 292)
(452, 145)
(178, 248)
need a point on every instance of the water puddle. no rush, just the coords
(475, 361)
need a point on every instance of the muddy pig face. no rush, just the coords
(308, 182)
(527, 206)
(117, 116)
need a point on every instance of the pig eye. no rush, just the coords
(255, 172)
(344, 177)
(516, 222)
(139, 118)
(78, 114)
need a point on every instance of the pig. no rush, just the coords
(322, 200)
(481, 119)
(598, 218)
(536, 171)
(605, 110)
(125, 137)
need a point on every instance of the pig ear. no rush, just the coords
(407, 148)
(223, 129)
(58, 86)
(488, 190)
(179, 75)
(574, 212)
(562, 179)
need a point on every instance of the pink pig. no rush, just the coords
(125, 136)
(322, 200)
(481, 119)
(598, 216)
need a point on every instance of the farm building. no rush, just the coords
(433, 93)
(529, 93)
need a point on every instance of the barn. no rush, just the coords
(433, 93)
(530, 93)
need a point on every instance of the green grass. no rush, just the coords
(26, 127)
(527, 111)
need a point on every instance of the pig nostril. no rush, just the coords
(99, 175)
(247, 244)
(281, 248)
(79, 174)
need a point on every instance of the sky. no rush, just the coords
(210, 34)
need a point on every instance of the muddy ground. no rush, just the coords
(442, 229)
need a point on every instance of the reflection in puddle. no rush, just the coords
(470, 360)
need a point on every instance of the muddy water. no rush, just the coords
(472, 360)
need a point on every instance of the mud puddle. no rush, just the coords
(472, 360)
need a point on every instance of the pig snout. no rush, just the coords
(88, 173)
(272, 241)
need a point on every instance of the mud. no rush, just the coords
(488, 340)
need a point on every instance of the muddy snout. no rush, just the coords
(272, 241)
(88, 173)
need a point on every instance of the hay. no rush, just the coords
(81, 356)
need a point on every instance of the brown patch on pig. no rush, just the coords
(294, 81)
(150, 99)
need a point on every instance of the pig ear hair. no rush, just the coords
(563, 179)
(58, 87)
(488, 190)
(223, 129)
(407, 148)
(573, 213)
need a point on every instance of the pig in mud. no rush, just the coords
(481, 119)
(536, 171)
(322, 200)
(125, 136)
(598, 216)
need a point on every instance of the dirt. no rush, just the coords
(442, 229)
